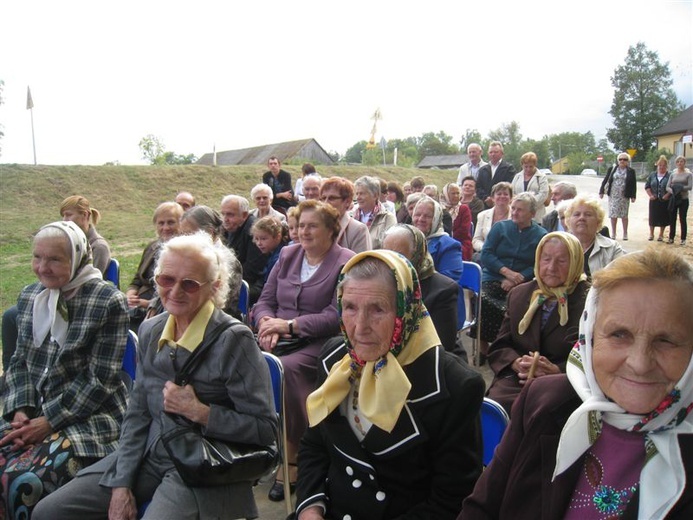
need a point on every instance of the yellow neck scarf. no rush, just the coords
(383, 385)
(560, 294)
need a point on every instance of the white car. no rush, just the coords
(588, 171)
(546, 171)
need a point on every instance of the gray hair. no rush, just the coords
(241, 202)
(205, 218)
(259, 188)
(528, 199)
(372, 270)
(402, 231)
(370, 183)
(217, 260)
(568, 189)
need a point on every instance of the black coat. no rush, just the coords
(251, 258)
(484, 182)
(422, 469)
(439, 294)
(631, 183)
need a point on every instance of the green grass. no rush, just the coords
(126, 196)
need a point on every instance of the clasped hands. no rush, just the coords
(523, 364)
(269, 331)
(26, 432)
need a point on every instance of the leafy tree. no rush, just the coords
(643, 100)
(469, 137)
(153, 149)
(436, 144)
(511, 138)
(354, 154)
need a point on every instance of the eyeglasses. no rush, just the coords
(622, 159)
(330, 198)
(188, 285)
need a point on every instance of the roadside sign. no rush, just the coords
(600, 158)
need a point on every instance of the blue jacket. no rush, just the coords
(447, 256)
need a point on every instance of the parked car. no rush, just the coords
(588, 171)
(546, 171)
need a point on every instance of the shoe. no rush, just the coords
(660, 239)
(650, 238)
(625, 237)
(670, 241)
(276, 492)
(683, 242)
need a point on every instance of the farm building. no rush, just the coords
(305, 149)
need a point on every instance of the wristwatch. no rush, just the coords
(290, 323)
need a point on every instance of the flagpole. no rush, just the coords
(30, 107)
(33, 139)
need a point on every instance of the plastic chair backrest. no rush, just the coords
(494, 421)
(471, 277)
(277, 377)
(244, 300)
(130, 358)
(112, 273)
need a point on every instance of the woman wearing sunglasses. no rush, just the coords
(192, 281)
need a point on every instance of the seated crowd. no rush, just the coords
(355, 286)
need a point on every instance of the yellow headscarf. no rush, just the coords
(576, 274)
(383, 385)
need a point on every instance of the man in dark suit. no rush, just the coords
(495, 171)
(235, 210)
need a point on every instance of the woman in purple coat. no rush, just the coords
(298, 302)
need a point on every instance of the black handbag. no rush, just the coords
(205, 461)
(288, 345)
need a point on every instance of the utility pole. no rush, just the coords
(30, 108)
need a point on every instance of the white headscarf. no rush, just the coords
(47, 315)
(663, 477)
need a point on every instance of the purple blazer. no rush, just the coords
(313, 304)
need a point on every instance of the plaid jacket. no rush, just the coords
(76, 387)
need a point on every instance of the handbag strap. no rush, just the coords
(183, 374)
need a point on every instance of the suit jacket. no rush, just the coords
(554, 341)
(466, 171)
(603, 251)
(440, 294)
(311, 304)
(251, 258)
(484, 182)
(550, 221)
(631, 183)
(517, 484)
(76, 386)
(142, 283)
(483, 226)
(353, 234)
(232, 378)
(422, 469)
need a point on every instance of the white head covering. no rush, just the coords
(50, 314)
(663, 477)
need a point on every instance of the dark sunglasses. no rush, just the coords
(623, 160)
(189, 285)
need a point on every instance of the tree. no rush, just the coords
(153, 149)
(509, 135)
(643, 100)
(469, 137)
(436, 144)
(354, 154)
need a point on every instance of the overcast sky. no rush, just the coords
(239, 74)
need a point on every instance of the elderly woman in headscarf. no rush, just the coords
(394, 425)
(64, 399)
(613, 437)
(446, 251)
(541, 321)
(438, 292)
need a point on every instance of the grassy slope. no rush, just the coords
(126, 197)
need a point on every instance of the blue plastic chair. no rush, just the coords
(277, 377)
(471, 281)
(112, 273)
(494, 421)
(130, 360)
(244, 301)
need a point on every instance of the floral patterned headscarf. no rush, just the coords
(560, 294)
(663, 477)
(383, 385)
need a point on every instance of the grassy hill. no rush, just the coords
(126, 196)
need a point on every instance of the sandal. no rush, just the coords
(660, 239)
(276, 492)
(650, 238)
